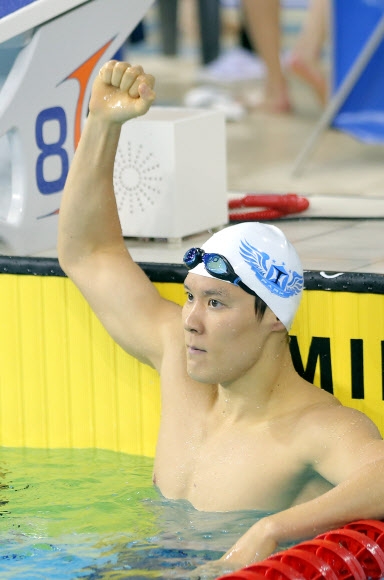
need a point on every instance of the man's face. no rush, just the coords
(223, 335)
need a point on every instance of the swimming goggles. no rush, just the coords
(216, 265)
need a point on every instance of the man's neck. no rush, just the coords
(261, 392)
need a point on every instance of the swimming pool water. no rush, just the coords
(94, 514)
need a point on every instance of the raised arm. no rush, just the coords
(91, 248)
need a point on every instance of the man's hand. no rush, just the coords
(121, 92)
(254, 546)
(212, 570)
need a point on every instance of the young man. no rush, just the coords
(239, 428)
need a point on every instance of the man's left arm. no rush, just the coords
(350, 454)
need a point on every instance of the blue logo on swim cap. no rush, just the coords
(275, 277)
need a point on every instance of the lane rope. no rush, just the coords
(353, 552)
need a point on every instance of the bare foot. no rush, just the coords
(275, 104)
(310, 74)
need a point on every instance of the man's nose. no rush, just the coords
(193, 321)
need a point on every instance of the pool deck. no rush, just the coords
(343, 229)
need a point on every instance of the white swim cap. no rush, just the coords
(265, 261)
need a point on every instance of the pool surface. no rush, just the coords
(95, 514)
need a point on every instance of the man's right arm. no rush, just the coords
(91, 248)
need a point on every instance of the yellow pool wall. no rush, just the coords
(65, 384)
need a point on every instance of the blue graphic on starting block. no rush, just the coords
(10, 6)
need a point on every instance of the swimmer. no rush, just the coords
(240, 429)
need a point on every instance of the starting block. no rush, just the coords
(60, 46)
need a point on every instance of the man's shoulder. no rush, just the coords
(311, 399)
(325, 413)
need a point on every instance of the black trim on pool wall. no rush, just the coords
(175, 273)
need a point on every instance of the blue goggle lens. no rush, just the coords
(216, 265)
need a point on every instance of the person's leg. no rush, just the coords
(305, 60)
(168, 10)
(209, 17)
(262, 20)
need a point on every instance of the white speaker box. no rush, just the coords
(170, 173)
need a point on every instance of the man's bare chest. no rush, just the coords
(229, 469)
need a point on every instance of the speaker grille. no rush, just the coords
(137, 178)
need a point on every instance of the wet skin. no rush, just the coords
(238, 426)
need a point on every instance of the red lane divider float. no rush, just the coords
(276, 570)
(353, 552)
(274, 206)
(271, 569)
(374, 529)
(310, 566)
(342, 562)
(365, 550)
